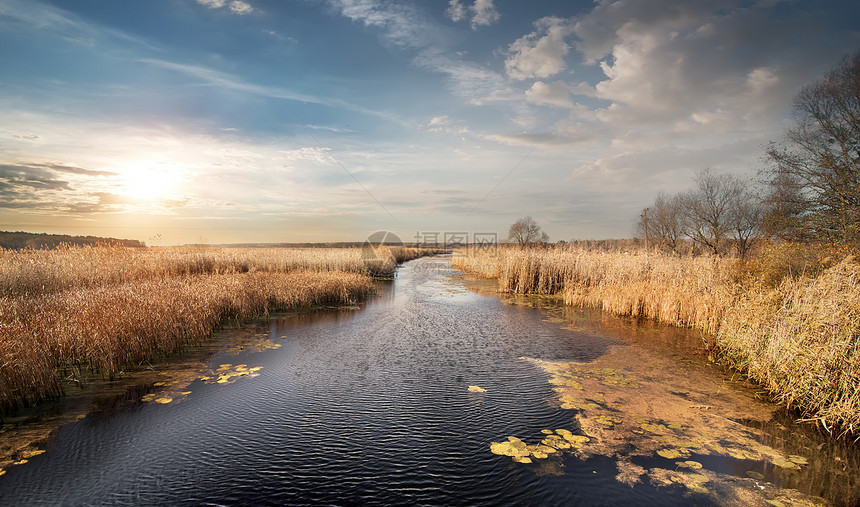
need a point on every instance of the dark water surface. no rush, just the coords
(365, 406)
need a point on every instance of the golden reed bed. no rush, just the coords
(789, 318)
(73, 312)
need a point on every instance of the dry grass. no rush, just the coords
(32, 272)
(800, 340)
(789, 318)
(693, 291)
(68, 312)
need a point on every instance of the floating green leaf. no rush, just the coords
(670, 453)
(510, 448)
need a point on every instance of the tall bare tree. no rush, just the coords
(821, 153)
(745, 217)
(707, 210)
(662, 224)
(785, 207)
(526, 231)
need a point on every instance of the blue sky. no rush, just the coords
(184, 121)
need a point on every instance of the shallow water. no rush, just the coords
(372, 406)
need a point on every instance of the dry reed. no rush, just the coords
(798, 337)
(101, 309)
(32, 272)
(105, 329)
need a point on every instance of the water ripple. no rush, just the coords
(366, 407)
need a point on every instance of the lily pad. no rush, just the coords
(577, 440)
(510, 448)
(670, 453)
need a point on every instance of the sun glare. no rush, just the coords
(148, 183)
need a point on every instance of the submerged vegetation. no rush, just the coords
(788, 317)
(74, 312)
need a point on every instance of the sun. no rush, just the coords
(149, 182)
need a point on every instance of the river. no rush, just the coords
(372, 405)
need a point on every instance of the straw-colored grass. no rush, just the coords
(75, 311)
(800, 340)
(31, 272)
(789, 318)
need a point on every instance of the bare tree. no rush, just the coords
(526, 231)
(707, 209)
(785, 207)
(662, 223)
(821, 153)
(745, 217)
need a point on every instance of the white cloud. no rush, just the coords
(556, 93)
(403, 25)
(456, 11)
(438, 120)
(212, 4)
(483, 12)
(240, 7)
(408, 28)
(318, 155)
(236, 6)
(541, 53)
(729, 64)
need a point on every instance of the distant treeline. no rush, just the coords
(22, 240)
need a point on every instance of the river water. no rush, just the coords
(371, 405)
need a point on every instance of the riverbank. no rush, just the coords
(72, 314)
(793, 331)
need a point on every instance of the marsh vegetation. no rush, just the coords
(69, 314)
(788, 317)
